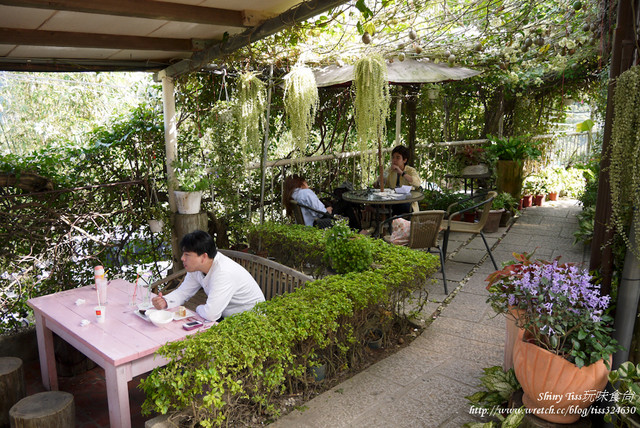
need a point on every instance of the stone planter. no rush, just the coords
(505, 218)
(555, 389)
(493, 221)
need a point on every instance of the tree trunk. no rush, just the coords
(51, 409)
(493, 111)
(412, 103)
(12, 387)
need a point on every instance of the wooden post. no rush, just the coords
(12, 387)
(183, 224)
(621, 61)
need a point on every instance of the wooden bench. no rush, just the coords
(273, 278)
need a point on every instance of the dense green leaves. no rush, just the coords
(251, 358)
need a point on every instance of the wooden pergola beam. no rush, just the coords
(297, 14)
(15, 36)
(141, 9)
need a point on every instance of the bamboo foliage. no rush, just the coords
(624, 172)
(373, 101)
(300, 103)
(251, 105)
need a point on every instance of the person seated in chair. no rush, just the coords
(230, 289)
(400, 174)
(297, 188)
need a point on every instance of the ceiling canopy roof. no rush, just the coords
(116, 35)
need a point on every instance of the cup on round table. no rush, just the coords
(101, 313)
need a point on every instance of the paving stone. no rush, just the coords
(477, 243)
(339, 406)
(456, 271)
(430, 408)
(407, 365)
(469, 256)
(466, 329)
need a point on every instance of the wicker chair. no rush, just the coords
(423, 234)
(297, 212)
(449, 225)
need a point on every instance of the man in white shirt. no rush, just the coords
(230, 289)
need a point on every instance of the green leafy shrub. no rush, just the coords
(517, 148)
(253, 357)
(434, 200)
(506, 201)
(347, 251)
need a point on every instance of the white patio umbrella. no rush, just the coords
(407, 72)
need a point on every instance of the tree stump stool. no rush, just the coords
(50, 409)
(12, 386)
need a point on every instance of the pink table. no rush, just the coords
(124, 346)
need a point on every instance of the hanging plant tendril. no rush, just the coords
(372, 99)
(251, 105)
(625, 155)
(300, 103)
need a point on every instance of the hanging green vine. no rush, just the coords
(624, 175)
(300, 103)
(372, 99)
(251, 105)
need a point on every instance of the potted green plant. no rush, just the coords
(501, 205)
(626, 383)
(528, 189)
(191, 179)
(554, 182)
(538, 188)
(511, 152)
(346, 250)
(564, 329)
(507, 202)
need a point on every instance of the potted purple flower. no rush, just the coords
(563, 350)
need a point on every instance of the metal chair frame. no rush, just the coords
(425, 227)
(450, 225)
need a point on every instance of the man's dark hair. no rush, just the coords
(404, 152)
(199, 242)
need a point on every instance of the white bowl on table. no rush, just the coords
(160, 318)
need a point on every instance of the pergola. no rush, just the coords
(169, 38)
(174, 37)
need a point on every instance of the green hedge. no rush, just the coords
(254, 357)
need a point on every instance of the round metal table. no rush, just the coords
(380, 201)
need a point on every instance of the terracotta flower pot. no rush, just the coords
(469, 216)
(527, 201)
(555, 389)
(539, 200)
(553, 196)
(512, 331)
